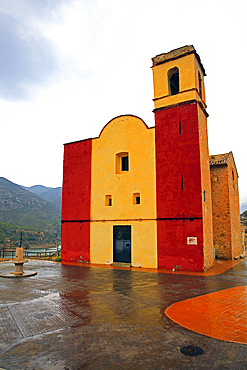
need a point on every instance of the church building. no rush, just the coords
(142, 196)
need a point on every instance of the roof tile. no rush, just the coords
(219, 159)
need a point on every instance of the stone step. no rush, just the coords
(121, 264)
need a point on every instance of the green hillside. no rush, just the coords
(21, 210)
(243, 217)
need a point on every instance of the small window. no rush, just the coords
(179, 128)
(108, 200)
(233, 183)
(173, 81)
(125, 163)
(182, 182)
(122, 162)
(136, 198)
(200, 84)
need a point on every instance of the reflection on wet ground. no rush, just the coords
(72, 317)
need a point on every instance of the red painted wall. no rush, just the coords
(173, 251)
(76, 198)
(176, 155)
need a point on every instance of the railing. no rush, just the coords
(7, 253)
(30, 254)
(10, 253)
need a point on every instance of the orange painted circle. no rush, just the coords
(221, 315)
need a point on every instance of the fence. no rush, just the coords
(10, 253)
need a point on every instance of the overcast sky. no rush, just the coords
(67, 67)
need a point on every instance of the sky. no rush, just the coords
(67, 67)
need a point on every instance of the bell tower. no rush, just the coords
(183, 187)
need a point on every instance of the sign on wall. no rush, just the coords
(192, 240)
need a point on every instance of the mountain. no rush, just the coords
(243, 207)
(52, 195)
(22, 210)
(37, 189)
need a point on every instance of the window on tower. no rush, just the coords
(233, 180)
(200, 83)
(173, 81)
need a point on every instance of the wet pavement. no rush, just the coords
(74, 317)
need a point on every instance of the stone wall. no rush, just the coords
(221, 211)
(236, 244)
(225, 206)
(242, 228)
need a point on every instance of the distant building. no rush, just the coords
(225, 204)
(142, 195)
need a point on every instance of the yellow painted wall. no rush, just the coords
(208, 250)
(188, 81)
(143, 242)
(198, 68)
(124, 134)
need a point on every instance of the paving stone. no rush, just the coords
(9, 331)
(74, 317)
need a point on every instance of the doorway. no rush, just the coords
(122, 244)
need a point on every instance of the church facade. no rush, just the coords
(143, 196)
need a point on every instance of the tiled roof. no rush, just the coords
(219, 159)
(175, 54)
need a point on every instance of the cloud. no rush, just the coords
(27, 57)
(43, 39)
(31, 8)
